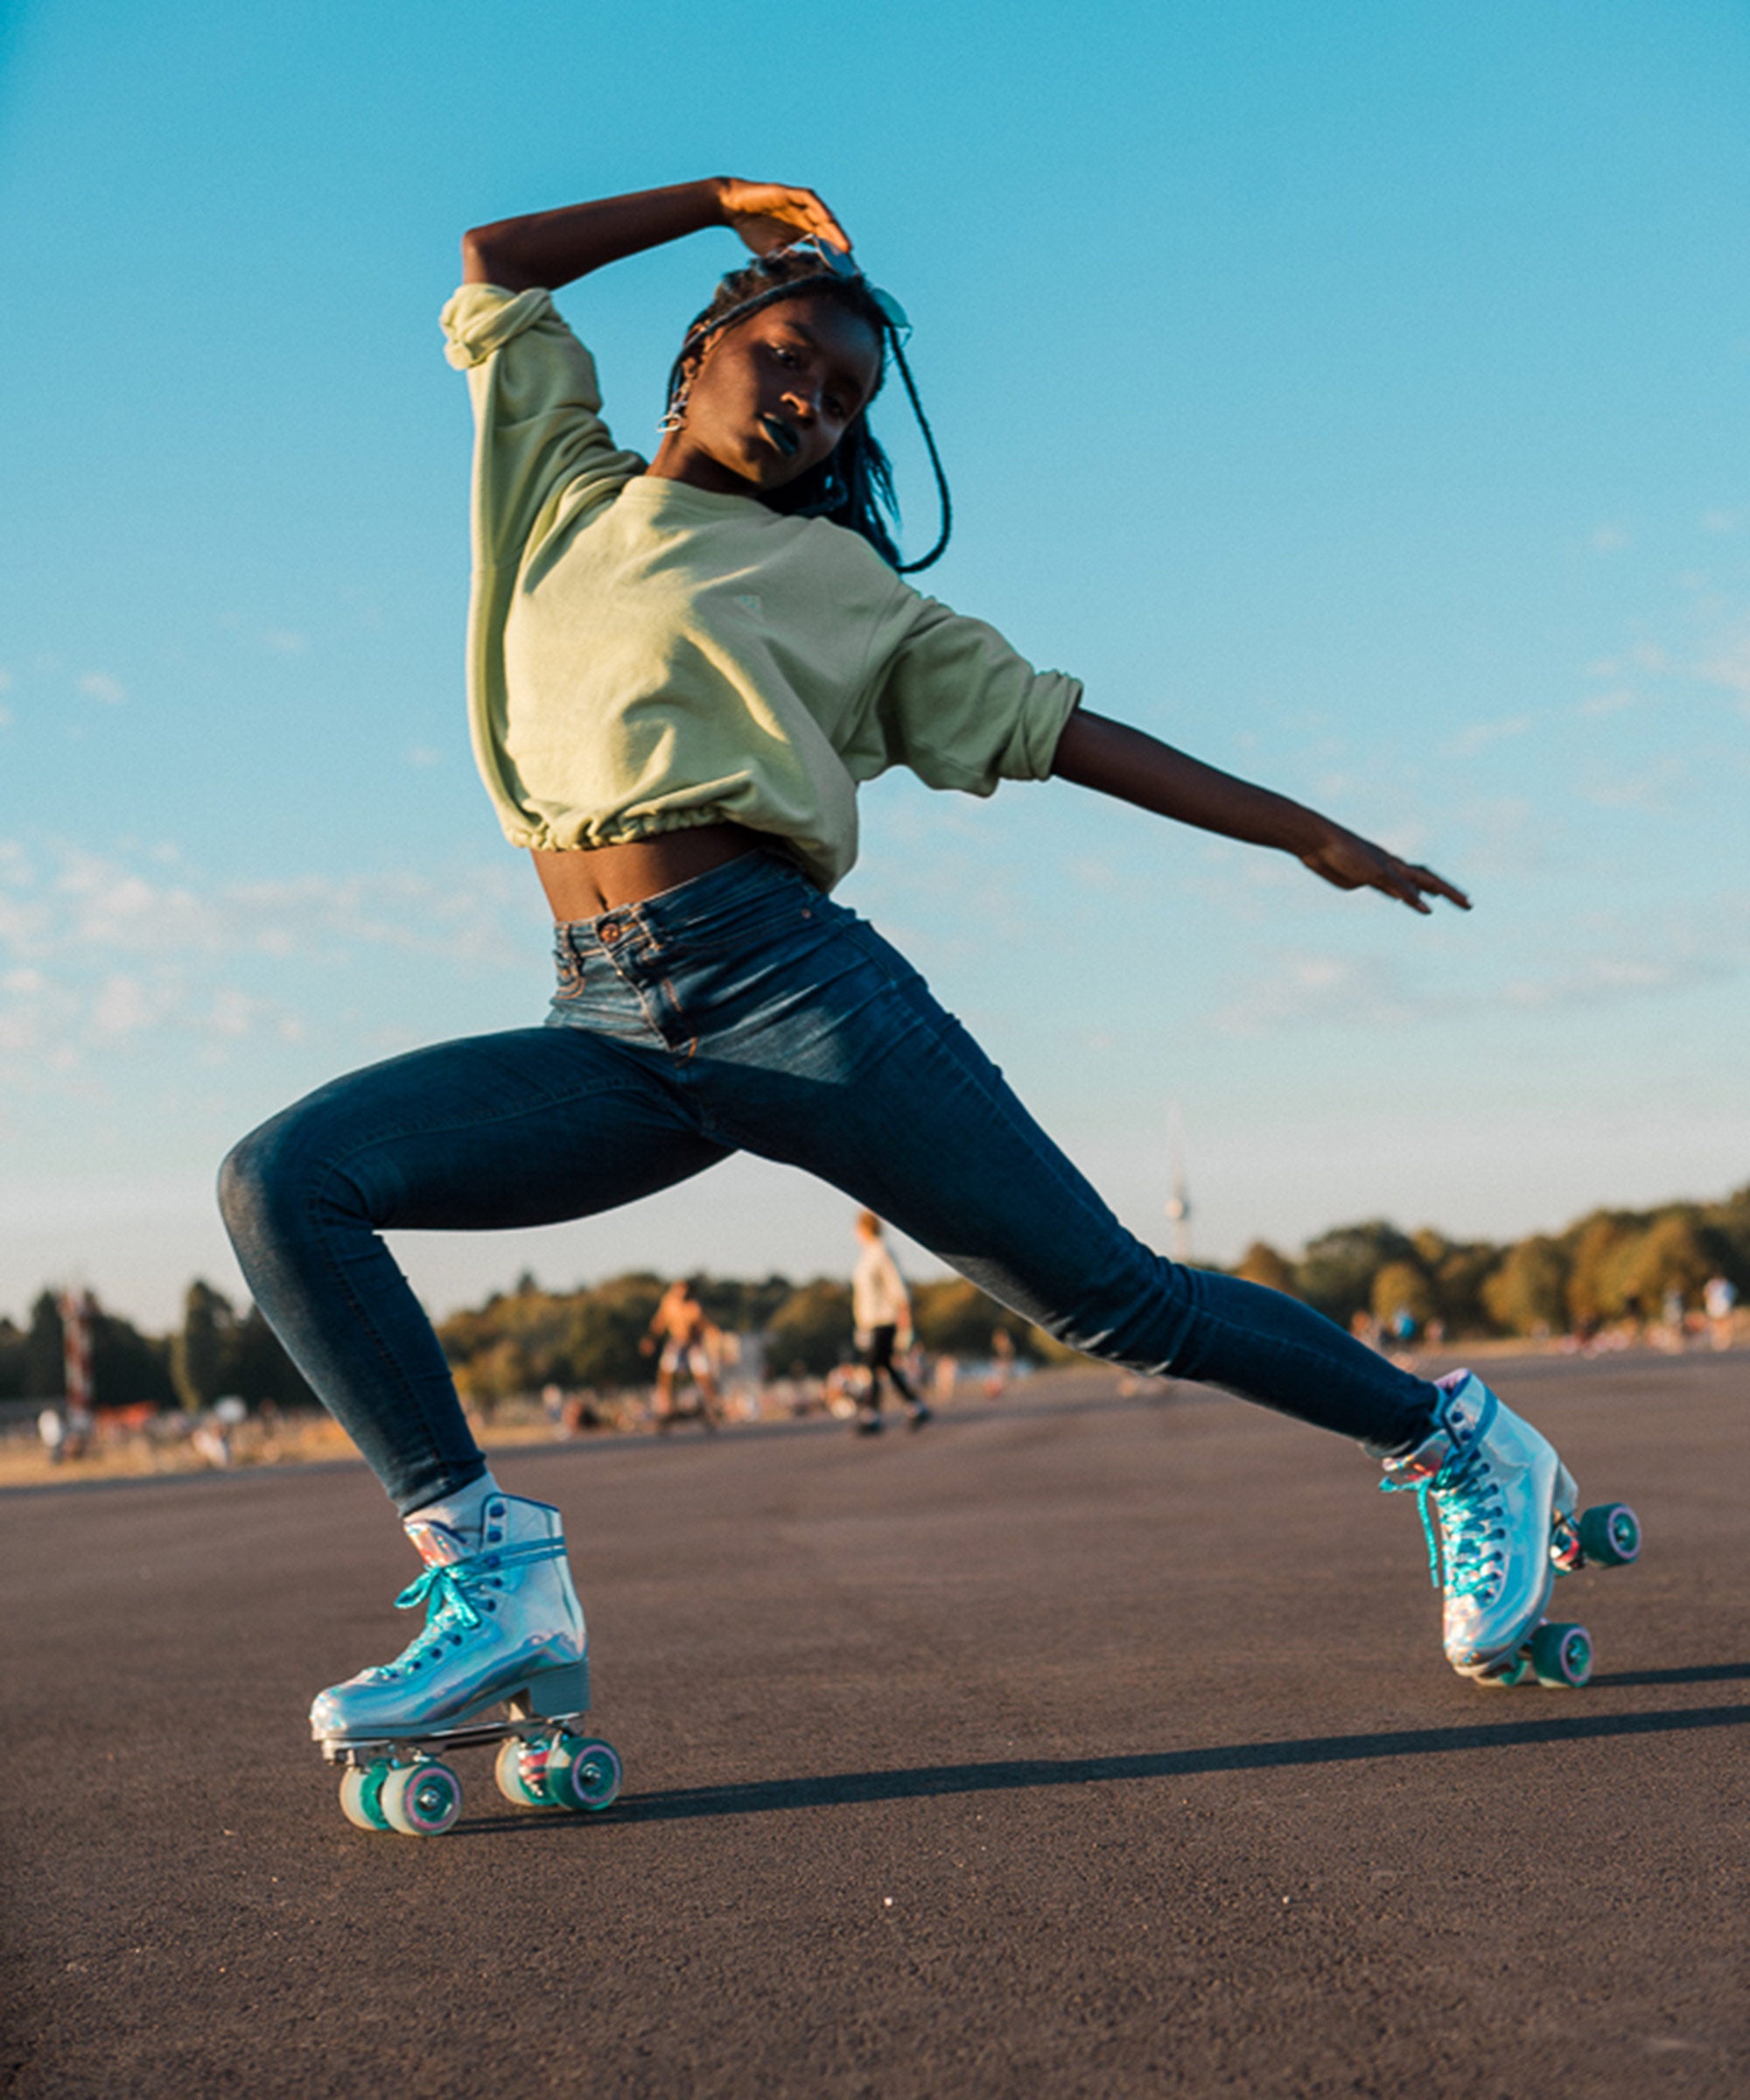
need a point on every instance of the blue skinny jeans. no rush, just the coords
(741, 1011)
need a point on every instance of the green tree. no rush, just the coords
(1598, 1245)
(11, 1361)
(812, 1329)
(605, 1327)
(44, 1352)
(128, 1368)
(1458, 1280)
(1527, 1294)
(1402, 1287)
(1260, 1263)
(741, 1308)
(1671, 1255)
(955, 1317)
(260, 1369)
(200, 1353)
(1336, 1272)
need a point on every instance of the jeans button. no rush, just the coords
(611, 931)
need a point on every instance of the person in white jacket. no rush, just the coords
(881, 1306)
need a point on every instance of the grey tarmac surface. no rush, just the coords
(1075, 1746)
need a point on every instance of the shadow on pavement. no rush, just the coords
(1699, 1673)
(757, 1798)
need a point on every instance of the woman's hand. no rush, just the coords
(769, 215)
(1114, 760)
(1350, 863)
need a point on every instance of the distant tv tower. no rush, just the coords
(1177, 1206)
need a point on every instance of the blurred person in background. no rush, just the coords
(881, 1306)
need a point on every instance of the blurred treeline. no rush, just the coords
(1610, 1267)
(214, 1352)
(528, 1338)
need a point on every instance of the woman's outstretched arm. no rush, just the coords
(1134, 767)
(551, 249)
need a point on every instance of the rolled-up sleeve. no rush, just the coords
(961, 708)
(537, 413)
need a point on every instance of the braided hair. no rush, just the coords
(853, 486)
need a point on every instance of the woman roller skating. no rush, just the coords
(679, 671)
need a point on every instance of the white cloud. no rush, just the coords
(125, 1004)
(1613, 702)
(423, 754)
(1649, 788)
(1609, 539)
(69, 916)
(1481, 735)
(1616, 962)
(1306, 990)
(1728, 667)
(99, 685)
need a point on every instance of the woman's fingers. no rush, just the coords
(768, 214)
(1437, 885)
(1410, 885)
(1353, 864)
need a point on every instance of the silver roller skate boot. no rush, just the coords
(1500, 1495)
(503, 1622)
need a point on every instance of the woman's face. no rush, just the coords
(773, 395)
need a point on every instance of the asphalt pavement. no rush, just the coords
(1077, 1745)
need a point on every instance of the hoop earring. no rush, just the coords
(672, 421)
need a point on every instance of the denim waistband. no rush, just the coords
(724, 903)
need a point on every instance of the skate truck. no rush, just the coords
(545, 1760)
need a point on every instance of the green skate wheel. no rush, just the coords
(1562, 1656)
(1514, 1672)
(1610, 1535)
(521, 1773)
(581, 1775)
(362, 1795)
(422, 1800)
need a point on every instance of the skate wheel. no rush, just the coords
(362, 1795)
(1611, 1535)
(521, 1772)
(581, 1775)
(422, 1800)
(1514, 1672)
(1562, 1656)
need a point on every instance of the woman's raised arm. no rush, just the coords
(551, 249)
(1134, 767)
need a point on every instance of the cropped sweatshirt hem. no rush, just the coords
(645, 656)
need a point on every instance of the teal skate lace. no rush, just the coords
(449, 1593)
(1472, 1514)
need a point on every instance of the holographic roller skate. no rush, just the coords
(1503, 1504)
(503, 1628)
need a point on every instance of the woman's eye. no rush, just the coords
(833, 405)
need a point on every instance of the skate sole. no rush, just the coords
(555, 1696)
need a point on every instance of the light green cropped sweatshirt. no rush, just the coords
(644, 656)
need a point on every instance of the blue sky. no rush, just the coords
(1353, 396)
